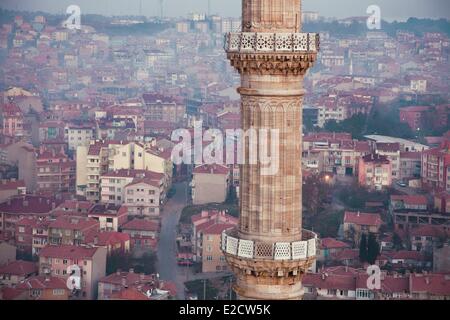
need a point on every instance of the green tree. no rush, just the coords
(363, 248)
(397, 242)
(118, 261)
(147, 263)
(373, 249)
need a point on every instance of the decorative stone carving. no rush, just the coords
(271, 42)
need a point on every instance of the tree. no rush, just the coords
(363, 248)
(118, 261)
(147, 263)
(397, 242)
(373, 249)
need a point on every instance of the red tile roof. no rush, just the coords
(141, 225)
(129, 294)
(436, 284)
(411, 199)
(415, 109)
(346, 254)
(107, 238)
(428, 231)
(19, 268)
(67, 251)
(10, 109)
(389, 284)
(11, 185)
(29, 204)
(331, 243)
(217, 228)
(127, 278)
(360, 218)
(329, 281)
(388, 147)
(406, 255)
(42, 282)
(11, 293)
(376, 158)
(74, 223)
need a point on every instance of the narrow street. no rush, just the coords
(167, 264)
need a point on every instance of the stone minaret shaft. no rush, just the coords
(269, 252)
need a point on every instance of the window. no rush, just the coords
(151, 192)
(109, 220)
(209, 258)
(21, 229)
(64, 261)
(35, 293)
(58, 292)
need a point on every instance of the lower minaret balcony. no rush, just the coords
(269, 270)
(279, 251)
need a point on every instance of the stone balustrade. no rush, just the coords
(299, 250)
(251, 42)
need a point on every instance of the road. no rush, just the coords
(167, 264)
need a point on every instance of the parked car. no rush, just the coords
(401, 184)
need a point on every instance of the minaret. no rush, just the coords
(269, 252)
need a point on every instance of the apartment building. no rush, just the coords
(57, 261)
(163, 108)
(79, 135)
(143, 233)
(104, 156)
(56, 172)
(212, 257)
(357, 223)
(16, 208)
(210, 183)
(110, 217)
(392, 152)
(375, 171)
(11, 120)
(335, 153)
(140, 190)
(71, 230)
(42, 288)
(410, 165)
(207, 228)
(436, 168)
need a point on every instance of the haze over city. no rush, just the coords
(398, 9)
(297, 150)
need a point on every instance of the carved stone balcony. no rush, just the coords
(251, 42)
(278, 251)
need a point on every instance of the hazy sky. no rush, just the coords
(390, 9)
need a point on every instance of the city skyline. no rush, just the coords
(398, 10)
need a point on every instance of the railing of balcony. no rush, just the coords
(271, 42)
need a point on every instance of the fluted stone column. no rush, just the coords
(272, 56)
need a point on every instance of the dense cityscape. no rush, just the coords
(90, 189)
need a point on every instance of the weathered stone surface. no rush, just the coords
(272, 96)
